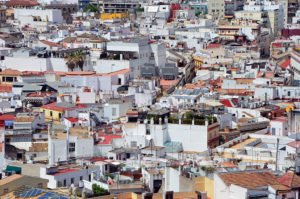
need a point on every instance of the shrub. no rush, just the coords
(99, 190)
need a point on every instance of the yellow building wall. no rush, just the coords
(107, 16)
(205, 184)
(56, 115)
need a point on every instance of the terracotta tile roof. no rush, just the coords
(290, 179)
(5, 88)
(213, 46)
(7, 117)
(119, 72)
(21, 3)
(227, 164)
(164, 82)
(49, 43)
(250, 179)
(32, 73)
(1, 147)
(11, 72)
(277, 45)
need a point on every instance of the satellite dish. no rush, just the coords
(243, 167)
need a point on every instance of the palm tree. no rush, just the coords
(80, 58)
(75, 59)
(71, 61)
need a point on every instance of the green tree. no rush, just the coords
(74, 59)
(141, 9)
(99, 190)
(91, 8)
(71, 63)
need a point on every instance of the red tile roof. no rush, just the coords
(64, 171)
(164, 82)
(1, 146)
(72, 119)
(119, 72)
(280, 120)
(108, 138)
(211, 45)
(277, 45)
(21, 3)
(226, 102)
(10, 72)
(5, 88)
(98, 159)
(227, 164)
(49, 43)
(7, 117)
(290, 179)
(250, 179)
(32, 73)
(286, 64)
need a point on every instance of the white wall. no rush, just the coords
(53, 179)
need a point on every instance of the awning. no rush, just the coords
(13, 169)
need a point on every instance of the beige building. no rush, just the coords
(230, 30)
(14, 182)
(216, 8)
(268, 19)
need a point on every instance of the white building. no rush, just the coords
(38, 18)
(116, 108)
(65, 177)
(76, 143)
(192, 137)
(279, 127)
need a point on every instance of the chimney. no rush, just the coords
(227, 130)
(201, 195)
(168, 195)
(147, 195)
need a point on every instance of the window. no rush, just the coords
(94, 63)
(72, 180)
(273, 131)
(40, 185)
(59, 115)
(71, 147)
(147, 131)
(81, 178)
(65, 182)
(114, 112)
(289, 93)
(51, 114)
(5, 190)
(133, 144)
